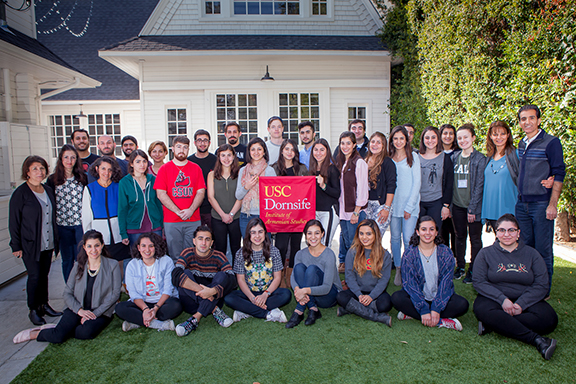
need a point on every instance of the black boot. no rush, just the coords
(35, 318)
(482, 330)
(545, 346)
(295, 319)
(49, 311)
(341, 311)
(364, 312)
(312, 316)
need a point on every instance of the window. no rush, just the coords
(240, 108)
(105, 124)
(177, 126)
(319, 7)
(61, 127)
(298, 107)
(357, 113)
(243, 7)
(212, 7)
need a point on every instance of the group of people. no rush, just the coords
(170, 226)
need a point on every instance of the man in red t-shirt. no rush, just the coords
(181, 188)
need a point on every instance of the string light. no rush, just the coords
(64, 23)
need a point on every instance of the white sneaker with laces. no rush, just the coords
(167, 325)
(276, 315)
(126, 326)
(403, 316)
(222, 318)
(237, 316)
(450, 324)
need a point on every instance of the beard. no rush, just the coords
(232, 140)
(180, 156)
(82, 146)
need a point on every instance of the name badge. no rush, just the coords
(463, 183)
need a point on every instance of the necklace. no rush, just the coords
(427, 258)
(497, 170)
(92, 274)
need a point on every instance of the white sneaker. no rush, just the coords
(167, 325)
(276, 315)
(237, 316)
(126, 326)
(222, 318)
(450, 324)
(403, 316)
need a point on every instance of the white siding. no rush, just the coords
(184, 17)
(10, 266)
(22, 21)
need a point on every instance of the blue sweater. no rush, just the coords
(413, 279)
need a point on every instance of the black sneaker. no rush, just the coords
(458, 273)
(468, 278)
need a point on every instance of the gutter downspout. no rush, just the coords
(60, 90)
(7, 94)
(141, 92)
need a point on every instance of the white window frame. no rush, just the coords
(362, 104)
(117, 137)
(177, 121)
(57, 141)
(216, 126)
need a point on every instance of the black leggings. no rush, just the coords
(221, 233)
(383, 302)
(539, 319)
(37, 282)
(448, 234)
(463, 228)
(433, 209)
(282, 241)
(456, 307)
(70, 326)
(127, 310)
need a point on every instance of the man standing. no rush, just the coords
(306, 131)
(275, 131)
(203, 277)
(206, 161)
(541, 157)
(411, 130)
(129, 144)
(81, 141)
(107, 147)
(359, 128)
(181, 189)
(232, 133)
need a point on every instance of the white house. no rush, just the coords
(198, 64)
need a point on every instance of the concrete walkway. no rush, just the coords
(14, 358)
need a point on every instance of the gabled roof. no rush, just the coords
(95, 24)
(248, 42)
(31, 45)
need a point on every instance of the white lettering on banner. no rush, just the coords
(297, 205)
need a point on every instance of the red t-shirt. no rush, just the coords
(181, 184)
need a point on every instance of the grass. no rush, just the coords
(342, 350)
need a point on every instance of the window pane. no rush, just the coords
(108, 119)
(304, 99)
(351, 113)
(323, 10)
(252, 113)
(220, 100)
(239, 8)
(279, 8)
(293, 112)
(230, 100)
(293, 8)
(315, 9)
(315, 114)
(231, 114)
(243, 113)
(314, 99)
(361, 112)
(208, 7)
(171, 128)
(267, 8)
(283, 99)
(181, 114)
(221, 113)
(293, 98)
(252, 100)
(253, 8)
(304, 112)
(171, 115)
(242, 100)
(283, 112)
(217, 7)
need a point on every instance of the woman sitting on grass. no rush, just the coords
(315, 278)
(258, 269)
(427, 292)
(153, 299)
(90, 294)
(368, 267)
(512, 280)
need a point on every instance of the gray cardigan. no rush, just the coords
(477, 166)
(326, 261)
(105, 293)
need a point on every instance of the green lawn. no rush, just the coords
(334, 350)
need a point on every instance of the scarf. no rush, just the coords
(253, 195)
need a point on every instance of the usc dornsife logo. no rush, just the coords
(277, 191)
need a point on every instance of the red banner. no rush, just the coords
(287, 202)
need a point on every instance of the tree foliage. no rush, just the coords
(479, 61)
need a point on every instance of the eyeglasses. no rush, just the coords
(503, 231)
(202, 140)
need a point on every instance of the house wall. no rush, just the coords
(187, 17)
(23, 21)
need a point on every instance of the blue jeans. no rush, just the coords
(313, 276)
(347, 232)
(537, 231)
(401, 229)
(238, 301)
(70, 237)
(244, 219)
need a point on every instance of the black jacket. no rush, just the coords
(386, 182)
(25, 222)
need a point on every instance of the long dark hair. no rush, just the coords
(160, 246)
(59, 176)
(234, 167)
(490, 146)
(313, 223)
(407, 146)
(260, 142)
(444, 127)
(328, 160)
(82, 258)
(247, 243)
(439, 145)
(374, 172)
(340, 157)
(415, 239)
(281, 163)
(135, 153)
(116, 171)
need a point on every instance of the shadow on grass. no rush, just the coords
(336, 349)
